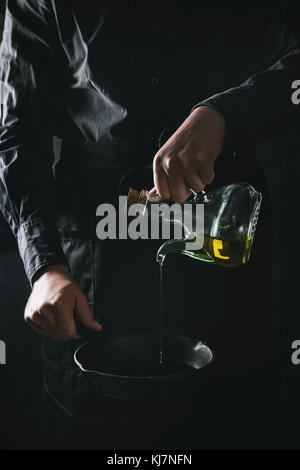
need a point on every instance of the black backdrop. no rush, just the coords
(240, 395)
(21, 377)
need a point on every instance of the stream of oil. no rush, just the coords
(161, 332)
(228, 253)
(167, 366)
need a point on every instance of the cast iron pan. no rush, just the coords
(128, 366)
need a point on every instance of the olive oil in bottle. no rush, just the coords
(227, 253)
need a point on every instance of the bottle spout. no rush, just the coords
(170, 246)
(160, 258)
(161, 254)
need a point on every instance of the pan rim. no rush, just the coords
(147, 377)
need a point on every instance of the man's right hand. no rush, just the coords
(54, 301)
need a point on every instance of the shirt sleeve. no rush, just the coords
(27, 185)
(265, 104)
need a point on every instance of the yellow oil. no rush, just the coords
(227, 253)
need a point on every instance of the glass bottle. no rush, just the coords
(229, 221)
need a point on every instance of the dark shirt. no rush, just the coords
(149, 64)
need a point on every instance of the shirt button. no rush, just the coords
(154, 81)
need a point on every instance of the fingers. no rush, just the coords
(169, 180)
(59, 323)
(53, 319)
(52, 305)
(179, 190)
(40, 324)
(173, 176)
(84, 315)
(66, 323)
(47, 311)
(194, 181)
(35, 327)
(206, 173)
(160, 179)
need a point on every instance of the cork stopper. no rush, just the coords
(137, 197)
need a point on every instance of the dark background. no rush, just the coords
(236, 320)
(21, 377)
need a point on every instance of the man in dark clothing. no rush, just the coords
(155, 65)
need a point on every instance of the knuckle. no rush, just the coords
(34, 316)
(44, 308)
(157, 161)
(211, 176)
(57, 303)
(60, 300)
(207, 174)
(199, 186)
(204, 167)
(26, 313)
(171, 163)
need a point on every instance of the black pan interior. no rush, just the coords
(139, 356)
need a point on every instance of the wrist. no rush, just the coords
(51, 269)
(212, 113)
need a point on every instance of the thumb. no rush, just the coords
(84, 315)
